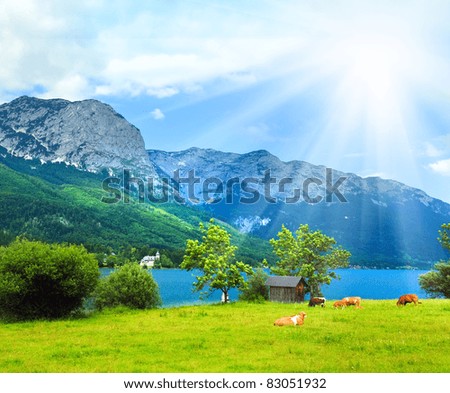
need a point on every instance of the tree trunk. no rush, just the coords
(225, 295)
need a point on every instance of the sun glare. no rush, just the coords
(369, 108)
(372, 66)
(373, 70)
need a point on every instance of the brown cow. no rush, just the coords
(315, 301)
(294, 320)
(339, 304)
(410, 298)
(352, 301)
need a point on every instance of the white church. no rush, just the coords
(149, 260)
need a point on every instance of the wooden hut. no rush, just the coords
(286, 289)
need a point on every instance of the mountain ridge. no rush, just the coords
(369, 183)
(382, 222)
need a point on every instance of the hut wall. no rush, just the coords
(283, 294)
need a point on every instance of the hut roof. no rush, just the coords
(283, 281)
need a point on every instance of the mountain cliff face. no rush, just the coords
(87, 134)
(382, 222)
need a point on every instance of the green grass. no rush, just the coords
(238, 337)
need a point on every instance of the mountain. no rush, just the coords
(382, 222)
(56, 155)
(87, 134)
(54, 158)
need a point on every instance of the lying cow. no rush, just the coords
(294, 320)
(315, 301)
(410, 298)
(339, 304)
(352, 301)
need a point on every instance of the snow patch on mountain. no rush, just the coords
(378, 203)
(251, 223)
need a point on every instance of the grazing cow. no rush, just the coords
(339, 304)
(352, 301)
(410, 298)
(315, 301)
(294, 320)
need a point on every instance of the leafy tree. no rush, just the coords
(214, 256)
(39, 280)
(444, 238)
(437, 282)
(166, 262)
(308, 254)
(257, 290)
(129, 286)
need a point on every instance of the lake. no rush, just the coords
(175, 285)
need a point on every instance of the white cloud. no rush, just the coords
(430, 150)
(160, 50)
(150, 50)
(157, 114)
(71, 87)
(441, 167)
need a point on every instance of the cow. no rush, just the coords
(410, 298)
(315, 301)
(295, 320)
(339, 304)
(352, 301)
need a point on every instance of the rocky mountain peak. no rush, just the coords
(87, 134)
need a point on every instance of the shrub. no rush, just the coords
(39, 280)
(130, 286)
(437, 282)
(256, 291)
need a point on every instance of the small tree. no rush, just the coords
(310, 255)
(39, 280)
(165, 262)
(257, 290)
(214, 256)
(129, 286)
(437, 282)
(444, 236)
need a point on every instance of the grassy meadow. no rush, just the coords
(237, 337)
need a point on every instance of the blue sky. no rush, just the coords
(360, 86)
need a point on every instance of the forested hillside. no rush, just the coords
(58, 203)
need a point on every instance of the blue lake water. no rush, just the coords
(175, 285)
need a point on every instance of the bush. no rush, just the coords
(130, 286)
(39, 280)
(437, 282)
(257, 290)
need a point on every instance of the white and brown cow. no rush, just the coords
(352, 301)
(315, 301)
(295, 320)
